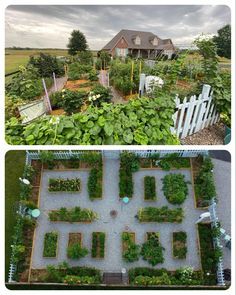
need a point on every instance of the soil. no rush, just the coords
(57, 112)
(213, 135)
(74, 238)
(125, 245)
(77, 85)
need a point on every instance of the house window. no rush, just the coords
(137, 40)
(155, 41)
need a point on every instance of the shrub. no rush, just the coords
(26, 84)
(164, 279)
(46, 65)
(150, 188)
(75, 251)
(152, 251)
(175, 188)
(72, 101)
(56, 99)
(145, 271)
(75, 214)
(99, 94)
(50, 244)
(78, 71)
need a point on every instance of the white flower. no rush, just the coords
(63, 96)
(98, 95)
(205, 37)
(54, 120)
(63, 90)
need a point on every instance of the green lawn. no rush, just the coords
(15, 58)
(14, 166)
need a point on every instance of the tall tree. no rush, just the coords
(77, 42)
(223, 41)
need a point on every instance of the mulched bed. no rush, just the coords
(213, 135)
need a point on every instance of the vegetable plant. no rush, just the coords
(175, 188)
(150, 188)
(50, 244)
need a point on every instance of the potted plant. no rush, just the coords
(226, 119)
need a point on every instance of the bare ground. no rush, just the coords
(213, 135)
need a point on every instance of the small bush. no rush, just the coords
(50, 244)
(152, 251)
(175, 188)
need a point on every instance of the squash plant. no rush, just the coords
(141, 121)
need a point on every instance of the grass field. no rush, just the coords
(14, 58)
(14, 166)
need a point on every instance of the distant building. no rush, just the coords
(139, 44)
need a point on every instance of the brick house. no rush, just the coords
(139, 44)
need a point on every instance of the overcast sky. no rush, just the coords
(50, 26)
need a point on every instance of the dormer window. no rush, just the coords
(155, 41)
(137, 40)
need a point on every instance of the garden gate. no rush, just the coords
(195, 114)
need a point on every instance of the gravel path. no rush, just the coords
(113, 227)
(222, 175)
(212, 135)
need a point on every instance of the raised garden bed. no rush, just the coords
(64, 185)
(75, 214)
(167, 163)
(129, 163)
(161, 214)
(74, 238)
(204, 184)
(150, 188)
(208, 254)
(50, 245)
(98, 245)
(151, 250)
(95, 184)
(179, 248)
(130, 251)
(74, 249)
(175, 188)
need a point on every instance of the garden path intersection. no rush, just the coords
(113, 227)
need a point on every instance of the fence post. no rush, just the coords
(141, 84)
(47, 97)
(55, 81)
(206, 91)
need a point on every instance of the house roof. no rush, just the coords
(146, 37)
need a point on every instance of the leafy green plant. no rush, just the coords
(129, 163)
(72, 101)
(47, 158)
(75, 214)
(99, 94)
(98, 245)
(175, 188)
(152, 251)
(75, 251)
(46, 65)
(204, 184)
(164, 279)
(77, 280)
(131, 251)
(64, 185)
(150, 188)
(95, 184)
(50, 244)
(162, 214)
(179, 244)
(140, 121)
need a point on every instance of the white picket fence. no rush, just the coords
(194, 114)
